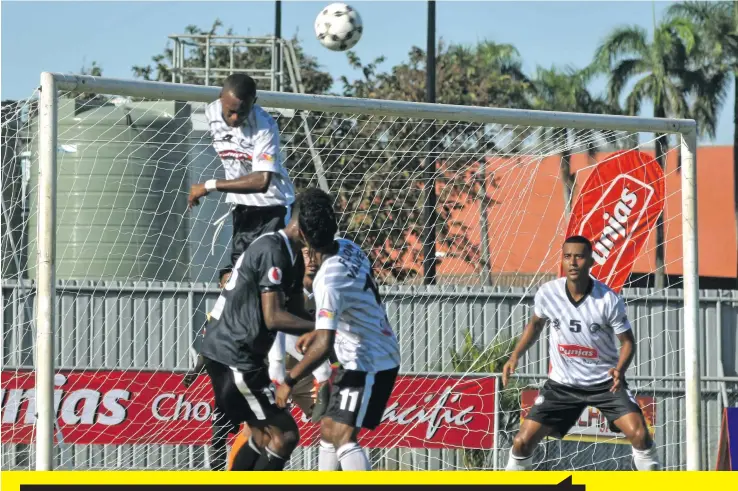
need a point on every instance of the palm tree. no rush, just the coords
(717, 23)
(566, 90)
(662, 71)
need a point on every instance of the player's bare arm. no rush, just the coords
(627, 352)
(304, 341)
(278, 318)
(530, 335)
(322, 341)
(256, 182)
(296, 306)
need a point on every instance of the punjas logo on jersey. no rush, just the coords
(275, 275)
(576, 351)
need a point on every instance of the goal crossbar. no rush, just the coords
(45, 278)
(374, 107)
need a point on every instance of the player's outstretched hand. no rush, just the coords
(304, 342)
(508, 370)
(616, 380)
(283, 395)
(197, 191)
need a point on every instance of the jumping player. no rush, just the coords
(586, 317)
(262, 297)
(258, 187)
(351, 322)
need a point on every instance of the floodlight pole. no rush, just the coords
(429, 206)
(277, 45)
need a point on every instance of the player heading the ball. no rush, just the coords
(587, 369)
(351, 321)
(246, 138)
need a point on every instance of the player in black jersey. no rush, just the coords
(222, 426)
(263, 296)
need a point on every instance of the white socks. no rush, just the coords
(352, 458)
(515, 463)
(327, 458)
(646, 460)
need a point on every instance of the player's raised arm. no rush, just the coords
(266, 149)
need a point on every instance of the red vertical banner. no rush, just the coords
(617, 208)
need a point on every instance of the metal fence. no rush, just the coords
(153, 325)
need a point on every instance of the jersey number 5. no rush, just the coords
(575, 326)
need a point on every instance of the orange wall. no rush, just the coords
(526, 224)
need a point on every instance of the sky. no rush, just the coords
(63, 36)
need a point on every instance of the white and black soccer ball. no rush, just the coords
(338, 27)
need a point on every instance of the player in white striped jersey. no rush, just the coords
(585, 319)
(351, 321)
(246, 138)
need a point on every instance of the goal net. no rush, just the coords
(136, 270)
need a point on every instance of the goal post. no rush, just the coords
(46, 281)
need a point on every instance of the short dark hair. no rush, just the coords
(316, 218)
(240, 85)
(578, 239)
(224, 271)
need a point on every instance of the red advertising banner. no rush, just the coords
(132, 407)
(592, 425)
(616, 209)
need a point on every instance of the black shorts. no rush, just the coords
(244, 397)
(251, 222)
(359, 399)
(222, 425)
(559, 406)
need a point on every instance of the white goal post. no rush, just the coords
(52, 83)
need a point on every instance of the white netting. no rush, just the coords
(137, 274)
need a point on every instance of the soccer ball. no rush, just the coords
(338, 27)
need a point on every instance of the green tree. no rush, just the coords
(567, 90)
(470, 359)
(663, 73)
(392, 190)
(717, 26)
